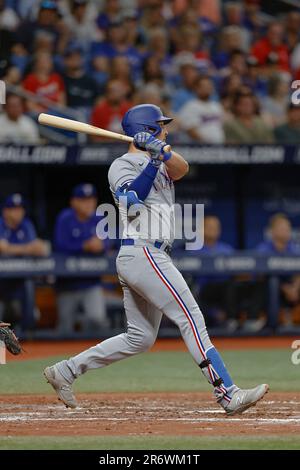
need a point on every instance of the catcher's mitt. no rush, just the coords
(10, 340)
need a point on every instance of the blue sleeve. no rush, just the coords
(63, 240)
(30, 232)
(138, 189)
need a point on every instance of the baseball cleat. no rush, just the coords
(61, 386)
(243, 399)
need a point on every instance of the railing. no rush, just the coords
(188, 263)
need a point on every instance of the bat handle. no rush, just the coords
(167, 148)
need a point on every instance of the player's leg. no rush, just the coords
(67, 304)
(94, 306)
(156, 278)
(143, 321)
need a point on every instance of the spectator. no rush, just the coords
(275, 103)
(17, 238)
(100, 70)
(273, 42)
(75, 234)
(8, 18)
(134, 33)
(255, 78)
(289, 133)
(152, 17)
(230, 86)
(81, 89)
(43, 42)
(280, 243)
(12, 76)
(15, 126)
(120, 69)
(81, 20)
(111, 13)
(253, 20)
(236, 64)
(230, 39)
(7, 43)
(159, 44)
(215, 292)
(292, 29)
(190, 40)
(234, 16)
(246, 126)
(152, 74)
(108, 113)
(188, 75)
(159, 47)
(201, 118)
(151, 71)
(47, 21)
(115, 43)
(44, 82)
(209, 9)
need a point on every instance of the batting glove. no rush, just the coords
(146, 141)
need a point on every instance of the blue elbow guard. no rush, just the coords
(127, 197)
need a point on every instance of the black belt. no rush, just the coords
(157, 244)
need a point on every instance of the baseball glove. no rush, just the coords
(10, 340)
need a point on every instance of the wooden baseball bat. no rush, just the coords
(77, 126)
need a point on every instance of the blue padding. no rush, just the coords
(131, 196)
(143, 183)
(219, 366)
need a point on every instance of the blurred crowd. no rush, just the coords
(224, 69)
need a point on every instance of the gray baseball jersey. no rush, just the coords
(154, 219)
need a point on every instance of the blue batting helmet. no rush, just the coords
(144, 117)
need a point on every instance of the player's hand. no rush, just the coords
(93, 245)
(4, 245)
(146, 141)
(140, 139)
(37, 248)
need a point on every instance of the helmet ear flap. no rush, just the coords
(152, 130)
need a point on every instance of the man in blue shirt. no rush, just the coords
(17, 238)
(280, 243)
(215, 292)
(75, 234)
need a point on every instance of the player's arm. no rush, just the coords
(36, 247)
(177, 166)
(93, 245)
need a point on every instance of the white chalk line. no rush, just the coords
(245, 420)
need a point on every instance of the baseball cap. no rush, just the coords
(14, 200)
(48, 5)
(84, 190)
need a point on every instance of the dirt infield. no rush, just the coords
(138, 414)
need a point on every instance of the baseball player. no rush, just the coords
(144, 178)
